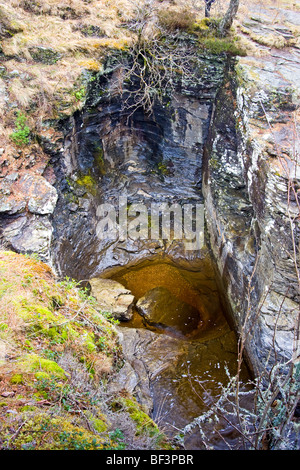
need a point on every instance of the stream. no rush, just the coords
(185, 374)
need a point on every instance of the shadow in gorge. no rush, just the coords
(147, 159)
(182, 375)
(175, 365)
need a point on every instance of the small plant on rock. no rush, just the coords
(21, 135)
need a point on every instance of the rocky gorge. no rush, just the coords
(226, 140)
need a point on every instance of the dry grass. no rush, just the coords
(79, 35)
(178, 20)
(45, 90)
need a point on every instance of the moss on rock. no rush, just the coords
(43, 432)
(45, 55)
(64, 351)
(88, 182)
(36, 363)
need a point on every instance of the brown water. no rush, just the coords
(194, 371)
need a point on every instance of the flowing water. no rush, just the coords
(187, 372)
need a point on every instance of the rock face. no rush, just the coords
(144, 362)
(29, 235)
(212, 144)
(160, 308)
(250, 181)
(145, 159)
(31, 190)
(112, 297)
(26, 203)
(42, 195)
(225, 139)
(163, 373)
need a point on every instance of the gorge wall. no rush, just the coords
(210, 144)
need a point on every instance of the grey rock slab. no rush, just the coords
(113, 297)
(30, 235)
(42, 195)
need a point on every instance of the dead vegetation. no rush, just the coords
(50, 48)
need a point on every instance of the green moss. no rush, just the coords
(28, 408)
(45, 55)
(214, 162)
(89, 342)
(144, 424)
(38, 369)
(217, 46)
(142, 420)
(41, 394)
(100, 425)
(40, 318)
(35, 363)
(21, 135)
(53, 333)
(202, 27)
(79, 93)
(162, 168)
(42, 375)
(36, 314)
(88, 182)
(16, 379)
(28, 345)
(209, 40)
(42, 432)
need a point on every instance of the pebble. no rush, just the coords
(13, 176)
(73, 207)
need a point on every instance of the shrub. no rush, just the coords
(21, 135)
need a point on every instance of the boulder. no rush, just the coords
(42, 196)
(29, 235)
(10, 205)
(113, 297)
(45, 55)
(148, 356)
(162, 309)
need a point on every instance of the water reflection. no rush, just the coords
(186, 386)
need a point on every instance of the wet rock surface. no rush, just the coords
(28, 234)
(250, 170)
(187, 153)
(144, 361)
(30, 190)
(27, 202)
(160, 308)
(145, 159)
(175, 379)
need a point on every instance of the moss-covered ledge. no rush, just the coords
(57, 353)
